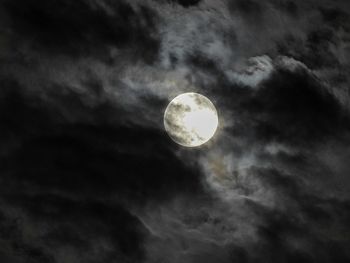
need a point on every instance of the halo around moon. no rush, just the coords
(191, 119)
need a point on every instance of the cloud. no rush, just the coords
(84, 28)
(256, 70)
(89, 174)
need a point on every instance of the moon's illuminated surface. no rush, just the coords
(191, 119)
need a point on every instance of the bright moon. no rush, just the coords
(191, 119)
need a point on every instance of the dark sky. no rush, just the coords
(89, 175)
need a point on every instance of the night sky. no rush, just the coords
(88, 173)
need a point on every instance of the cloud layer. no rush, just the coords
(88, 174)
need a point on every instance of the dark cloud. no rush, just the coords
(88, 174)
(57, 171)
(93, 231)
(88, 157)
(301, 110)
(249, 7)
(187, 3)
(289, 7)
(304, 235)
(83, 28)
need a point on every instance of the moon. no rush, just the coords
(191, 119)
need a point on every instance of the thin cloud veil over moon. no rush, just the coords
(191, 119)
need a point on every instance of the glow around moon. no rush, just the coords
(191, 119)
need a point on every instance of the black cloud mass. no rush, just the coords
(88, 173)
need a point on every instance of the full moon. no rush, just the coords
(191, 119)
